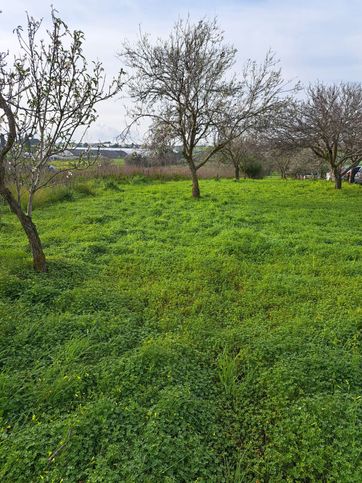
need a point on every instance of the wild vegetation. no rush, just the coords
(169, 338)
(184, 86)
(175, 340)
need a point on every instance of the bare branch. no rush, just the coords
(184, 85)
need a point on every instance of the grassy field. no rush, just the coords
(176, 340)
(118, 161)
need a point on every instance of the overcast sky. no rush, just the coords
(315, 39)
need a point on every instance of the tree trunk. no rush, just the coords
(29, 210)
(39, 261)
(237, 172)
(18, 190)
(195, 179)
(195, 186)
(337, 179)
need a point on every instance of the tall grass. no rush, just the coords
(156, 172)
(58, 193)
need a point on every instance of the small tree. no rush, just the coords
(245, 155)
(305, 163)
(49, 93)
(282, 161)
(184, 85)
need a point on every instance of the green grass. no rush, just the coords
(176, 340)
(62, 163)
(118, 161)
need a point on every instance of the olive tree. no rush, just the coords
(184, 85)
(49, 92)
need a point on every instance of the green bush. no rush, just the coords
(254, 170)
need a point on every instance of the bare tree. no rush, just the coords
(51, 93)
(329, 122)
(184, 85)
(245, 154)
(282, 160)
(305, 163)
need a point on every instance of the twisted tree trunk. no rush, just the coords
(39, 261)
(195, 179)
